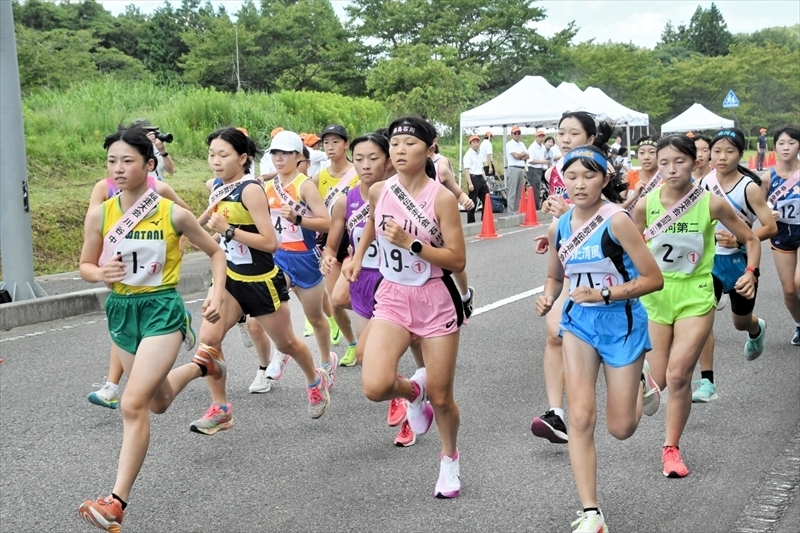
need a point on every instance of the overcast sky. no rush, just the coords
(639, 22)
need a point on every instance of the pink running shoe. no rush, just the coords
(104, 513)
(398, 408)
(420, 412)
(406, 437)
(673, 462)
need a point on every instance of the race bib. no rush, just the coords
(595, 275)
(144, 261)
(371, 257)
(399, 266)
(236, 252)
(678, 252)
(789, 211)
(286, 231)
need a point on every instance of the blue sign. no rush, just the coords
(730, 100)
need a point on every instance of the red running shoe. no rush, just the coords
(406, 437)
(398, 408)
(673, 463)
(104, 513)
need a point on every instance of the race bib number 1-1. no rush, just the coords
(144, 261)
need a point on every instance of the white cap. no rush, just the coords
(286, 141)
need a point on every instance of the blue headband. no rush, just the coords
(585, 153)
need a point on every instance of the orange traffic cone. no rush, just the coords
(752, 163)
(772, 159)
(531, 220)
(523, 204)
(487, 230)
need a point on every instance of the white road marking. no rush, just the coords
(509, 300)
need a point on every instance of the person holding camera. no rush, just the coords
(163, 159)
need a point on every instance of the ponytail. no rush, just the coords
(430, 168)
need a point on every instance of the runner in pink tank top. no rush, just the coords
(418, 230)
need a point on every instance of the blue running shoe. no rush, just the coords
(190, 340)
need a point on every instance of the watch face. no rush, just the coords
(416, 247)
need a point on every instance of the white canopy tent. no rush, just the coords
(696, 117)
(531, 102)
(588, 104)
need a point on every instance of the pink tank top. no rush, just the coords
(397, 264)
(557, 187)
(113, 190)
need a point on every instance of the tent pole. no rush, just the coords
(628, 138)
(460, 148)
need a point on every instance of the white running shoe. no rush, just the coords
(449, 482)
(276, 366)
(420, 412)
(590, 522)
(244, 335)
(261, 383)
(652, 394)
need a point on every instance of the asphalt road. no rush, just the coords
(279, 470)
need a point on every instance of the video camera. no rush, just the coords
(164, 137)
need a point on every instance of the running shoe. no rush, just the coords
(105, 396)
(261, 383)
(449, 483)
(308, 329)
(211, 359)
(332, 370)
(104, 513)
(214, 420)
(336, 333)
(753, 348)
(349, 357)
(469, 303)
(652, 394)
(244, 335)
(406, 437)
(420, 412)
(796, 338)
(673, 463)
(276, 367)
(705, 393)
(190, 339)
(319, 398)
(550, 426)
(590, 522)
(398, 408)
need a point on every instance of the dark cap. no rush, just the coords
(336, 129)
(144, 124)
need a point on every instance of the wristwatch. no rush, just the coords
(605, 292)
(755, 270)
(229, 233)
(415, 248)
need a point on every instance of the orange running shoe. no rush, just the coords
(211, 359)
(673, 463)
(406, 437)
(398, 407)
(104, 513)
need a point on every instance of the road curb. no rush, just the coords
(28, 312)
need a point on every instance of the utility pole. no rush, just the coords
(238, 78)
(16, 245)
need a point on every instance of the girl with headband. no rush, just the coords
(783, 194)
(420, 241)
(742, 189)
(677, 220)
(703, 145)
(602, 322)
(638, 179)
(574, 129)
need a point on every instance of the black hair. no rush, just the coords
(681, 143)
(622, 151)
(306, 153)
(600, 131)
(654, 138)
(376, 137)
(613, 189)
(241, 143)
(791, 131)
(424, 131)
(549, 138)
(736, 137)
(135, 136)
(701, 137)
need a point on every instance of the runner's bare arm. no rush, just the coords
(206, 216)
(449, 182)
(321, 221)
(722, 211)
(769, 228)
(92, 249)
(640, 216)
(352, 269)
(335, 233)
(255, 201)
(99, 195)
(555, 277)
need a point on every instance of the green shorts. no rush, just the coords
(132, 317)
(679, 299)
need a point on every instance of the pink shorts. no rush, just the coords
(432, 310)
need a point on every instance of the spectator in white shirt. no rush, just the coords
(485, 152)
(266, 170)
(617, 143)
(476, 179)
(516, 155)
(537, 164)
(318, 158)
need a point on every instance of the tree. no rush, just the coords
(788, 36)
(708, 32)
(497, 37)
(671, 35)
(54, 59)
